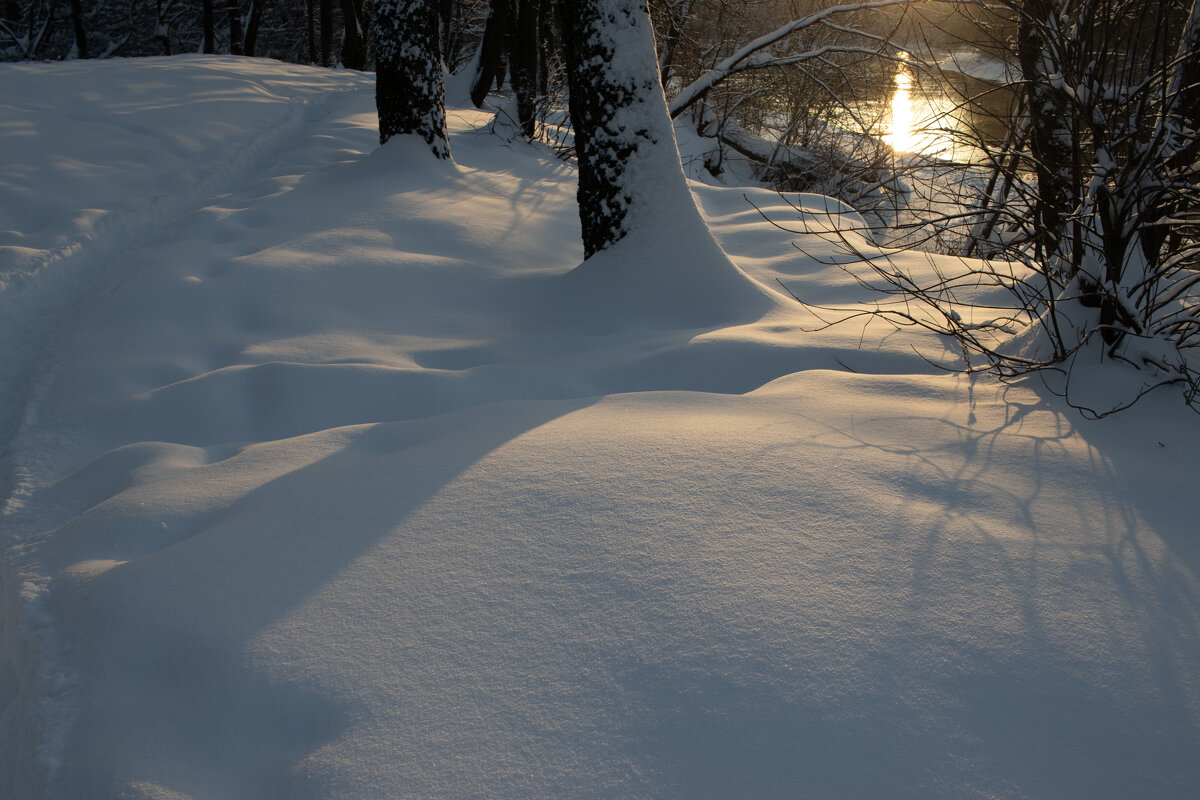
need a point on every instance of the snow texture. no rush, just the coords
(329, 473)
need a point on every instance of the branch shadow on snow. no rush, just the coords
(1006, 531)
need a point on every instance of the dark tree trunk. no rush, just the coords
(491, 50)
(234, 12)
(310, 30)
(207, 21)
(81, 48)
(253, 21)
(408, 72)
(354, 46)
(445, 20)
(1050, 137)
(508, 48)
(676, 18)
(548, 33)
(525, 60)
(161, 32)
(326, 10)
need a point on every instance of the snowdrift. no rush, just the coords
(328, 475)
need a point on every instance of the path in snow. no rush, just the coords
(101, 157)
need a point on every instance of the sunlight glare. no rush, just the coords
(902, 136)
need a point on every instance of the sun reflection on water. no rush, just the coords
(919, 123)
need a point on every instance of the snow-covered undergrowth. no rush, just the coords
(329, 476)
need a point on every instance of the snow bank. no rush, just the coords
(341, 481)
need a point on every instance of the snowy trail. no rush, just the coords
(166, 161)
(48, 262)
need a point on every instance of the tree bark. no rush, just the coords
(354, 49)
(208, 23)
(253, 21)
(234, 12)
(161, 31)
(491, 50)
(408, 72)
(526, 59)
(623, 134)
(310, 30)
(326, 12)
(1050, 142)
(81, 48)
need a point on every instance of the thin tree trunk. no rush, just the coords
(675, 20)
(354, 51)
(326, 10)
(161, 31)
(445, 20)
(525, 61)
(253, 21)
(310, 30)
(208, 23)
(1050, 148)
(81, 48)
(234, 13)
(490, 50)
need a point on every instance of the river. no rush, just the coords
(954, 110)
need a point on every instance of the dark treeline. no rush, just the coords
(321, 32)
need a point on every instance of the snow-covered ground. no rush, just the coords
(328, 475)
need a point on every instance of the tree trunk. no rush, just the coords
(491, 50)
(445, 21)
(234, 12)
(354, 49)
(161, 31)
(623, 134)
(310, 30)
(1050, 139)
(208, 23)
(676, 18)
(548, 31)
(326, 10)
(408, 72)
(525, 60)
(81, 48)
(253, 20)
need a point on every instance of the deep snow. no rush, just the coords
(328, 475)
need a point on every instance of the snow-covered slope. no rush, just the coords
(329, 476)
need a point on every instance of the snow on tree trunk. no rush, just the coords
(623, 135)
(408, 72)
(632, 190)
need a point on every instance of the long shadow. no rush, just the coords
(172, 697)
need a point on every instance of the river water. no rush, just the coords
(953, 111)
